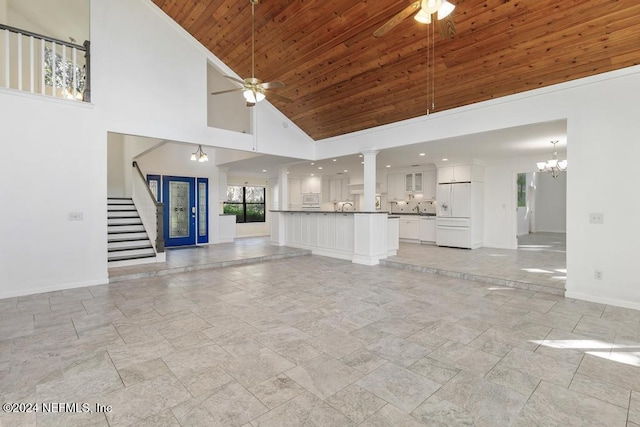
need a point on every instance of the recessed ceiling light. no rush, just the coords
(346, 171)
(359, 155)
(312, 175)
(444, 160)
(335, 160)
(423, 154)
(362, 163)
(312, 163)
(320, 167)
(388, 166)
(264, 170)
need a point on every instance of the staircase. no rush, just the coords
(128, 243)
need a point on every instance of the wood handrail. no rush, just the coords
(43, 37)
(135, 165)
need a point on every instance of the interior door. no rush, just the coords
(179, 196)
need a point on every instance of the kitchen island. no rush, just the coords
(361, 237)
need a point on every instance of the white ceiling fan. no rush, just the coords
(253, 89)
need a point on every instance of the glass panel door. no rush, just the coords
(180, 210)
(154, 185)
(203, 210)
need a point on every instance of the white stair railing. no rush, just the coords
(34, 63)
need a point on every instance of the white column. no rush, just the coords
(283, 188)
(369, 204)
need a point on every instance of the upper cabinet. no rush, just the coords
(429, 185)
(312, 184)
(396, 187)
(413, 182)
(459, 173)
(295, 195)
(339, 190)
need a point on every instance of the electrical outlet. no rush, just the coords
(598, 274)
(596, 218)
(75, 216)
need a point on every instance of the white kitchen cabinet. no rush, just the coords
(312, 184)
(327, 230)
(339, 190)
(344, 232)
(295, 192)
(292, 228)
(409, 227)
(395, 187)
(429, 185)
(428, 229)
(413, 182)
(460, 173)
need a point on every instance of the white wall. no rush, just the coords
(151, 80)
(148, 79)
(115, 165)
(599, 108)
(46, 172)
(551, 203)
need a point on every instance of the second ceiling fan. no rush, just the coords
(425, 8)
(253, 89)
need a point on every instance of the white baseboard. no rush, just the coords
(601, 300)
(32, 291)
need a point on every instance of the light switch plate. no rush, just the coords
(596, 218)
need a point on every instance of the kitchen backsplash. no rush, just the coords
(427, 206)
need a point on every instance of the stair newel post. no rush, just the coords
(86, 97)
(160, 227)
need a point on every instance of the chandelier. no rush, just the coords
(554, 166)
(200, 155)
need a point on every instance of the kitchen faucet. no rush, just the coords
(346, 203)
(417, 208)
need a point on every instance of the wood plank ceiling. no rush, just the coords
(342, 79)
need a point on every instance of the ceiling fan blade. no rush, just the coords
(226, 91)
(447, 28)
(405, 13)
(272, 85)
(235, 80)
(274, 95)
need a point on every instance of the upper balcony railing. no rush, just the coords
(34, 63)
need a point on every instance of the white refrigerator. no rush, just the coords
(454, 200)
(453, 220)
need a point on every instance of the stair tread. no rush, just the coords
(130, 248)
(128, 239)
(126, 257)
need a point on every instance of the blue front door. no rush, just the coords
(179, 197)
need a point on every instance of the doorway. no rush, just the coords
(186, 208)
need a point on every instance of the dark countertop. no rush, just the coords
(413, 214)
(333, 212)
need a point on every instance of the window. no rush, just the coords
(246, 203)
(522, 190)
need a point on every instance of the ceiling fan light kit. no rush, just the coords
(254, 90)
(424, 8)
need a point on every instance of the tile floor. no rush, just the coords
(539, 263)
(314, 341)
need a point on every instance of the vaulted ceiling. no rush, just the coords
(342, 79)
